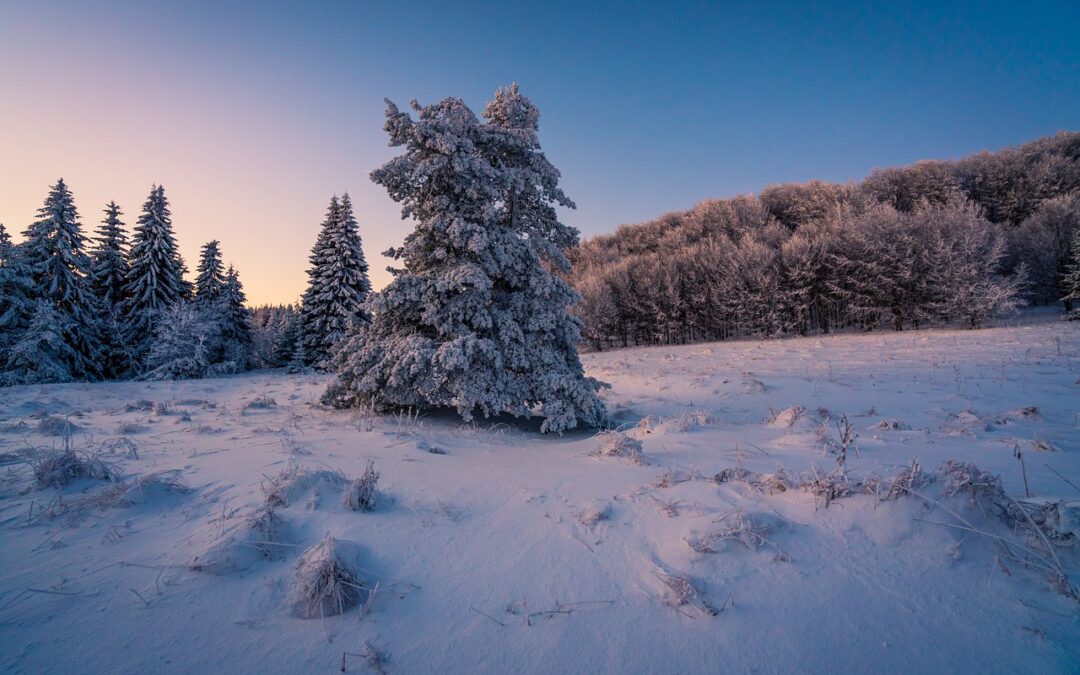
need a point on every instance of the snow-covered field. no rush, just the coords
(495, 549)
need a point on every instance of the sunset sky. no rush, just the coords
(253, 115)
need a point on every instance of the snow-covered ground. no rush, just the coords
(496, 549)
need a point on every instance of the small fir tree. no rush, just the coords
(210, 279)
(338, 284)
(108, 275)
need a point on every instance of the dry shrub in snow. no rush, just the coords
(141, 405)
(263, 402)
(591, 515)
(361, 493)
(969, 480)
(683, 593)
(747, 530)
(119, 494)
(327, 580)
(292, 483)
(685, 421)
(766, 483)
(617, 444)
(257, 537)
(56, 426)
(57, 468)
(269, 527)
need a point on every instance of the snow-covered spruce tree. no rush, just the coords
(16, 305)
(210, 279)
(234, 321)
(54, 252)
(474, 320)
(1071, 281)
(285, 345)
(108, 274)
(338, 284)
(179, 350)
(108, 258)
(41, 352)
(155, 281)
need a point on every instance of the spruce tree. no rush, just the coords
(155, 281)
(338, 284)
(108, 259)
(211, 275)
(474, 319)
(54, 253)
(42, 351)
(234, 321)
(108, 275)
(16, 304)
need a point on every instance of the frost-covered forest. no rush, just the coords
(935, 243)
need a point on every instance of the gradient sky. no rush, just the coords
(253, 115)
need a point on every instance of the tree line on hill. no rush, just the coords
(938, 242)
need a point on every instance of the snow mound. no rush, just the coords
(751, 386)
(243, 544)
(789, 417)
(963, 423)
(295, 486)
(327, 580)
(751, 531)
(685, 421)
(144, 490)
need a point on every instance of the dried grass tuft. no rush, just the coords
(617, 444)
(362, 494)
(58, 468)
(327, 580)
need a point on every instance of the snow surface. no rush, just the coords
(497, 549)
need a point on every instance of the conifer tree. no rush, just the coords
(108, 275)
(287, 343)
(108, 259)
(473, 320)
(210, 281)
(338, 284)
(155, 280)
(16, 305)
(55, 256)
(234, 321)
(42, 351)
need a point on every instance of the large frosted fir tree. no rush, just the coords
(108, 275)
(210, 279)
(54, 252)
(155, 281)
(474, 319)
(338, 284)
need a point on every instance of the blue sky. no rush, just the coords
(252, 115)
